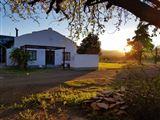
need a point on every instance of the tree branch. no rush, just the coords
(33, 2)
(136, 7)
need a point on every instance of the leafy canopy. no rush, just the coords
(89, 45)
(141, 41)
(84, 15)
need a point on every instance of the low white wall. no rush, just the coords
(85, 61)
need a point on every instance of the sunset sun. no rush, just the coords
(127, 49)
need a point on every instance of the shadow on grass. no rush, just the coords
(13, 87)
(71, 92)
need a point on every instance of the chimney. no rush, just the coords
(16, 32)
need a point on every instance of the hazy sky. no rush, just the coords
(110, 40)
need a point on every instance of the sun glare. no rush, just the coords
(127, 49)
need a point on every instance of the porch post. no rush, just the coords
(1, 55)
(63, 58)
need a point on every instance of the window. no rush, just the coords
(32, 55)
(67, 56)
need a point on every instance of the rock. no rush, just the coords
(120, 94)
(103, 105)
(76, 118)
(95, 98)
(100, 95)
(122, 89)
(124, 107)
(109, 99)
(94, 106)
(98, 100)
(120, 103)
(117, 98)
(121, 112)
(89, 101)
(107, 93)
(112, 106)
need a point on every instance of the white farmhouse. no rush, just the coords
(49, 48)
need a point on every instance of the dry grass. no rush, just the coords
(104, 66)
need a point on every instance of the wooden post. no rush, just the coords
(64, 58)
(1, 55)
(156, 55)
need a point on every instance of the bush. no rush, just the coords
(19, 57)
(143, 98)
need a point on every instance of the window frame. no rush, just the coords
(33, 55)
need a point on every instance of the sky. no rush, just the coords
(110, 40)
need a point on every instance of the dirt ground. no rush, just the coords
(15, 86)
(21, 85)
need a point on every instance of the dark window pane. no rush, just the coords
(32, 55)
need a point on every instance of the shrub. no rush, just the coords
(19, 57)
(143, 98)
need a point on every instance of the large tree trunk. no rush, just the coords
(140, 9)
(156, 55)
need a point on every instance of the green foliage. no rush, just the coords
(19, 57)
(89, 45)
(143, 36)
(82, 15)
(141, 42)
(71, 95)
(143, 99)
(64, 96)
(28, 115)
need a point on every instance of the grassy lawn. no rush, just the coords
(67, 99)
(69, 96)
(104, 66)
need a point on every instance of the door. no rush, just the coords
(50, 57)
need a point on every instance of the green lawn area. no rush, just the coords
(103, 66)
(70, 95)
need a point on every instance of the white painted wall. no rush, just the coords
(47, 38)
(85, 61)
(8, 60)
(40, 61)
(58, 57)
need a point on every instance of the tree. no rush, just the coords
(19, 57)
(140, 42)
(89, 45)
(85, 14)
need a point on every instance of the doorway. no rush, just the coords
(50, 57)
(2, 55)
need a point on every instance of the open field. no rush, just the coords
(62, 90)
(104, 66)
